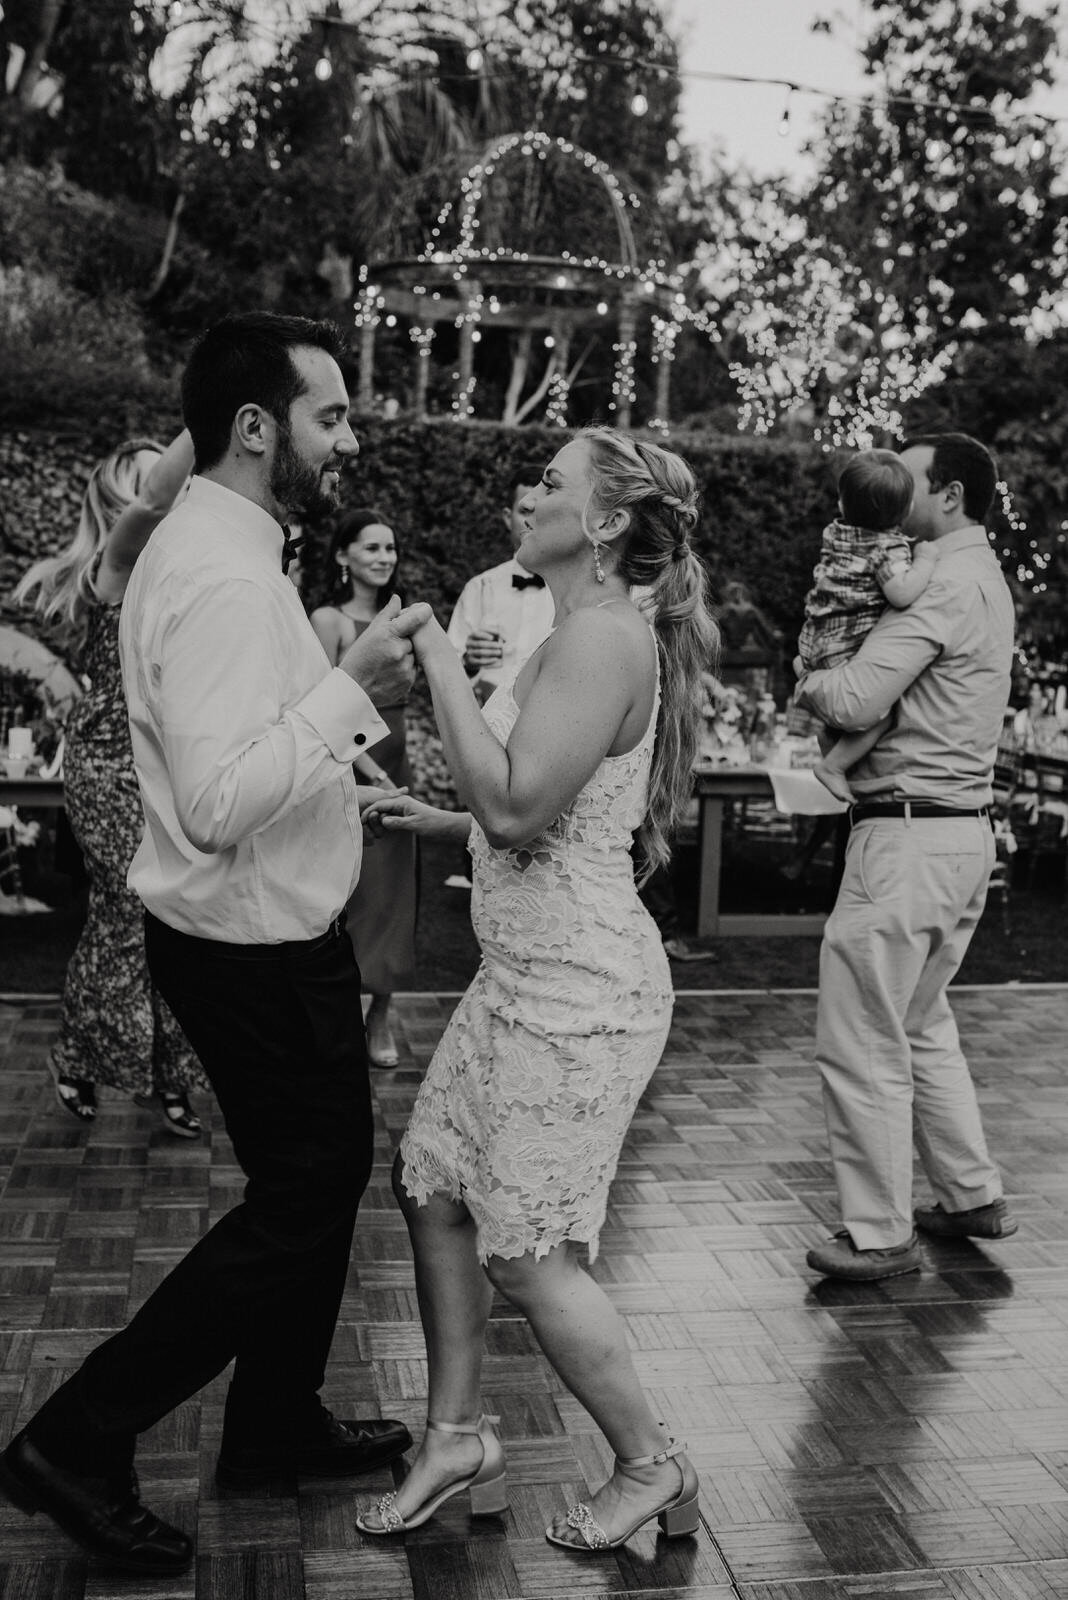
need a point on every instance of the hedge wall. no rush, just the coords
(442, 486)
(441, 483)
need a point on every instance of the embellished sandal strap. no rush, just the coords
(392, 1521)
(582, 1519)
(461, 1427)
(674, 1448)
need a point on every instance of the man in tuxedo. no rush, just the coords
(504, 613)
(243, 741)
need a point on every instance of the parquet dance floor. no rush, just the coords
(905, 1439)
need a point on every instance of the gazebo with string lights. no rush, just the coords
(496, 258)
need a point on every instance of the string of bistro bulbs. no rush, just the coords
(183, 10)
(1032, 566)
(476, 61)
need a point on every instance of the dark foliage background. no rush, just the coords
(442, 485)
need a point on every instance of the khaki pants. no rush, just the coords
(886, 1040)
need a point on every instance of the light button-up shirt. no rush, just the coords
(243, 734)
(942, 665)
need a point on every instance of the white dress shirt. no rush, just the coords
(524, 616)
(243, 734)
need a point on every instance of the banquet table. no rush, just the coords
(32, 791)
(714, 787)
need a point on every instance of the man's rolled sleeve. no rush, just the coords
(859, 693)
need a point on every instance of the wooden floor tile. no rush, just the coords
(897, 1441)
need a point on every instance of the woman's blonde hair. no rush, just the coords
(59, 586)
(659, 491)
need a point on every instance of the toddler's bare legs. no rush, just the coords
(844, 753)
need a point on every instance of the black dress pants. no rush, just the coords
(279, 1031)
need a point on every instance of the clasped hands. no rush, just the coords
(383, 662)
(383, 659)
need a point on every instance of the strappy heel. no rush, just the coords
(487, 1486)
(678, 1516)
(78, 1096)
(174, 1110)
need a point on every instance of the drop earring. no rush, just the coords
(598, 570)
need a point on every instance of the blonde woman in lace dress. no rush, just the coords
(504, 1169)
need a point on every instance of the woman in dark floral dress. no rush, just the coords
(115, 1029)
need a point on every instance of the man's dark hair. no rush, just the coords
(875, 490)
(246, 359)
(524, 477)
(958, 458)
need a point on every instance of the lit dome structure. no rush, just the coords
(542, 240)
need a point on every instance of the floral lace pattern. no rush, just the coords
(526, 1102)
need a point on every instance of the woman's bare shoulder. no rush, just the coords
(602, 634)
(325, 617)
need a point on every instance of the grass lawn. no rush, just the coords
(34, 950)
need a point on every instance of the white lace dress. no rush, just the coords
(526, 1102)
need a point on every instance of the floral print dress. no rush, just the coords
(527, 1100)
(115, 1028)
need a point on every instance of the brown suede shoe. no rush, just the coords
(840, 1258)
(981, 1222)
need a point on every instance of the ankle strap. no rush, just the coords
(674, 1448)
(461, 1427)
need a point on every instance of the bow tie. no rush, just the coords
(533, 582)
(290, 547)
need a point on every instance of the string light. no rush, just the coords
(422, 336)
(639, 105)
(370, 303)
(556, 403)
(962, 111)
(624, 392)
(324, 69)
(463, 398)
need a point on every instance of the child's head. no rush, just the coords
(875, 490)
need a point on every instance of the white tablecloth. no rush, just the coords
(799, 792)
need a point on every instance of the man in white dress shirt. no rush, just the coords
(504, 613)
(243, 740)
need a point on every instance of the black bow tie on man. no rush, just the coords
(290, 547)
(531, 581)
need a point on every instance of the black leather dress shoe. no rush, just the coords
(334, 1449)
(105, 1516)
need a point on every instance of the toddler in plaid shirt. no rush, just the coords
(865, 563)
